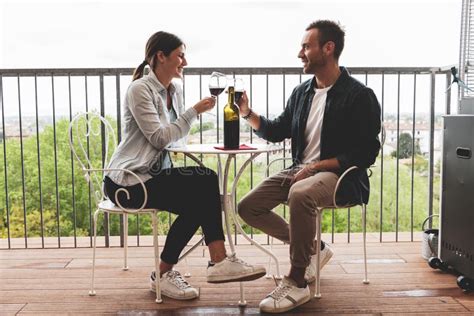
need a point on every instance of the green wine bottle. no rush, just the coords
(231, 122)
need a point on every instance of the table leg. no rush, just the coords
(236, 221)
(228, 202)
(219, 173)
(227, 206)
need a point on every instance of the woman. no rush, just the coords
(154, 119)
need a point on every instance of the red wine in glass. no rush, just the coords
(216, 91)
(217, 83)
(239, 88)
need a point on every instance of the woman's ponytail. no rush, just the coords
(138, 72)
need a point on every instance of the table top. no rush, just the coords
(210, 149)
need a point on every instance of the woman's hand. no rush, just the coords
(205, 104)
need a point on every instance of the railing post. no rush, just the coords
(22, 158)
(55, 149)
(119, 138)
(431, 147)
(413, 154)
(73, 192)
(104, 159)
(382, 103)
(7, 207)
(448, 93)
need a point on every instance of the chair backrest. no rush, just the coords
(383, 134)
(92, 141)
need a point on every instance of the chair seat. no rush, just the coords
(109, 206)
(325, 207)
(340, 206)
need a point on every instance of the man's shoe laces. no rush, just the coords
(280, 292)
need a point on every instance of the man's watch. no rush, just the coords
(246, 117)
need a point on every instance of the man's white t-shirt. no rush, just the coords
(314, 125)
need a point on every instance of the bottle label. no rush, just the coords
(231, 134)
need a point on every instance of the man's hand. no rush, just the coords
(254, 119)
(311, 169)
(244, 104)
(304, 173)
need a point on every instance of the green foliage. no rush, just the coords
(205, 126)
(71, 205)
(406, 147)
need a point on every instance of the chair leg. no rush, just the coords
(94, 244)
(125, 241)
(364, 224)
(157, 258)
(187, 274)
(184, 256)
(317, 290)
(269, 275)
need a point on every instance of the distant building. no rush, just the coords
(422, 136)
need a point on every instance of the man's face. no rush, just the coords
(311, 54)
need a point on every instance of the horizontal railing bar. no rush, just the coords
(208, 70)
(447, 68)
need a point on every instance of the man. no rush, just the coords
(333, 121)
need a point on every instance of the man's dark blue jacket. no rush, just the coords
(349, 133)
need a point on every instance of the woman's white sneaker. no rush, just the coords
(173, 285)
(232, 269)
(285, 297)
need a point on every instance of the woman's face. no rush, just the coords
(174, 63)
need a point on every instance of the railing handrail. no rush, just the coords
(13, 72)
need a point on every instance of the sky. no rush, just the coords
(225, 33)
(222, 33)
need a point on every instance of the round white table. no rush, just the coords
(228, 198)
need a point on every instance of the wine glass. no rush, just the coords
(238, 89)
(217, 83)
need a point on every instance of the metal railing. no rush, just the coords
(42, 196)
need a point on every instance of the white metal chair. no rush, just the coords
(334, 206)
(89, 132)
(319, 212)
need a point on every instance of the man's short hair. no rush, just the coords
(329, 31)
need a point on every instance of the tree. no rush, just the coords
(196, 128)
(73, 216)
(406, 147)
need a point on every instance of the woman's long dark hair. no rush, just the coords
(166, 42)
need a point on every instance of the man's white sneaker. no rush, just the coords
(232, 269)
(310, 273)
(285, 297)
(173, 285)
